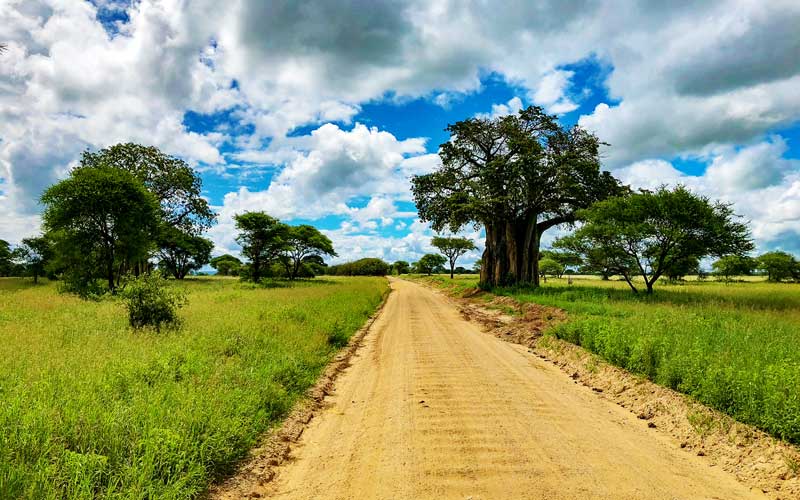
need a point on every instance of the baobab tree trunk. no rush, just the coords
(511, 254)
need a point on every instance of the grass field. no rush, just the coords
(734, 347)
(91, 409)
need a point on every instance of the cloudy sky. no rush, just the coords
(320, 111)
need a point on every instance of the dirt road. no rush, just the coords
(434, 408)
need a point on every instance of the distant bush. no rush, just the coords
(361, 267)
(151, 302)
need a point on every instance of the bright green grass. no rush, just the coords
(735, 347)
(91, 409)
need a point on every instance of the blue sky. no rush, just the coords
(319, 112)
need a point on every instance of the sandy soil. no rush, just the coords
(434, 408)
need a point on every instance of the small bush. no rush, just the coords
(151, 302)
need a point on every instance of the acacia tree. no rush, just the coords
(517, 176)
(733, 265)
(452, 248)
(649, 233)
(180, 252)
(303, 241)
(778, 265)
(5, 258)
(430, 263)
(174, 184)
(591, 259)
(226, 265)
(100, 218)
(401, 267)
(35, 254)
(264, 239)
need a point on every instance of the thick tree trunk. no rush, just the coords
(511, 254)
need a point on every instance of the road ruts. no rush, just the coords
(434, 408)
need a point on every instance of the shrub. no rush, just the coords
(151, 302)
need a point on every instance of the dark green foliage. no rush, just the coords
(263, 239)
(180, 252)
(151, 302)
(549, 266)
(779, 266)
(401, 267)
(517, 176)
(226, 265)
(452, 248)
(35, 255)
(362, 267)
(652, 233)
(6, 262)
(304, 241)
(100, 219)
(173, 183)
(430, 263)
(733, 265)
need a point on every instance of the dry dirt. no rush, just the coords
(434, 408)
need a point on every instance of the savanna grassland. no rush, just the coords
(93, 409)
(732, 346)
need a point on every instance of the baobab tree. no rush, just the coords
(516, 176)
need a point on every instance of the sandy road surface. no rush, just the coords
(434, 408)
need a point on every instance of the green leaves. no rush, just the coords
(652, 233)
(103, 218)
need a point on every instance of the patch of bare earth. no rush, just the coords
(752, 456)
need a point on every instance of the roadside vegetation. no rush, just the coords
(732, 346)
(95, 409)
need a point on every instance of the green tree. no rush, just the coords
(452, 248)
(35, 254)
(552, 267)
(301, 242)
(175, 185)
(102, 218)
(649, 232)
(401, 267)
(369, 266)
(431, 263)
(180, 252)
(6, 258)
(264, 240)
(778, 265)
(728, 266)
(592, 260)
(226, 265)
(565, 259)
(517, 176)
(679, 268)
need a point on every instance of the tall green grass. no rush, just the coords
(92, 409)
(734, 347)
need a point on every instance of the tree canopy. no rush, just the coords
(304, 241)
(180, 252)
(101, 219)
(35, 254)
(649, 233)
(401, 266)
(263, 239)
(517, 176)
(779, 266)
(452, 248)
(729, 266)
(430, 263)
(226, 265)
(174, 184)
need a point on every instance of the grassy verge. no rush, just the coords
(92, 409)
(734, 347)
